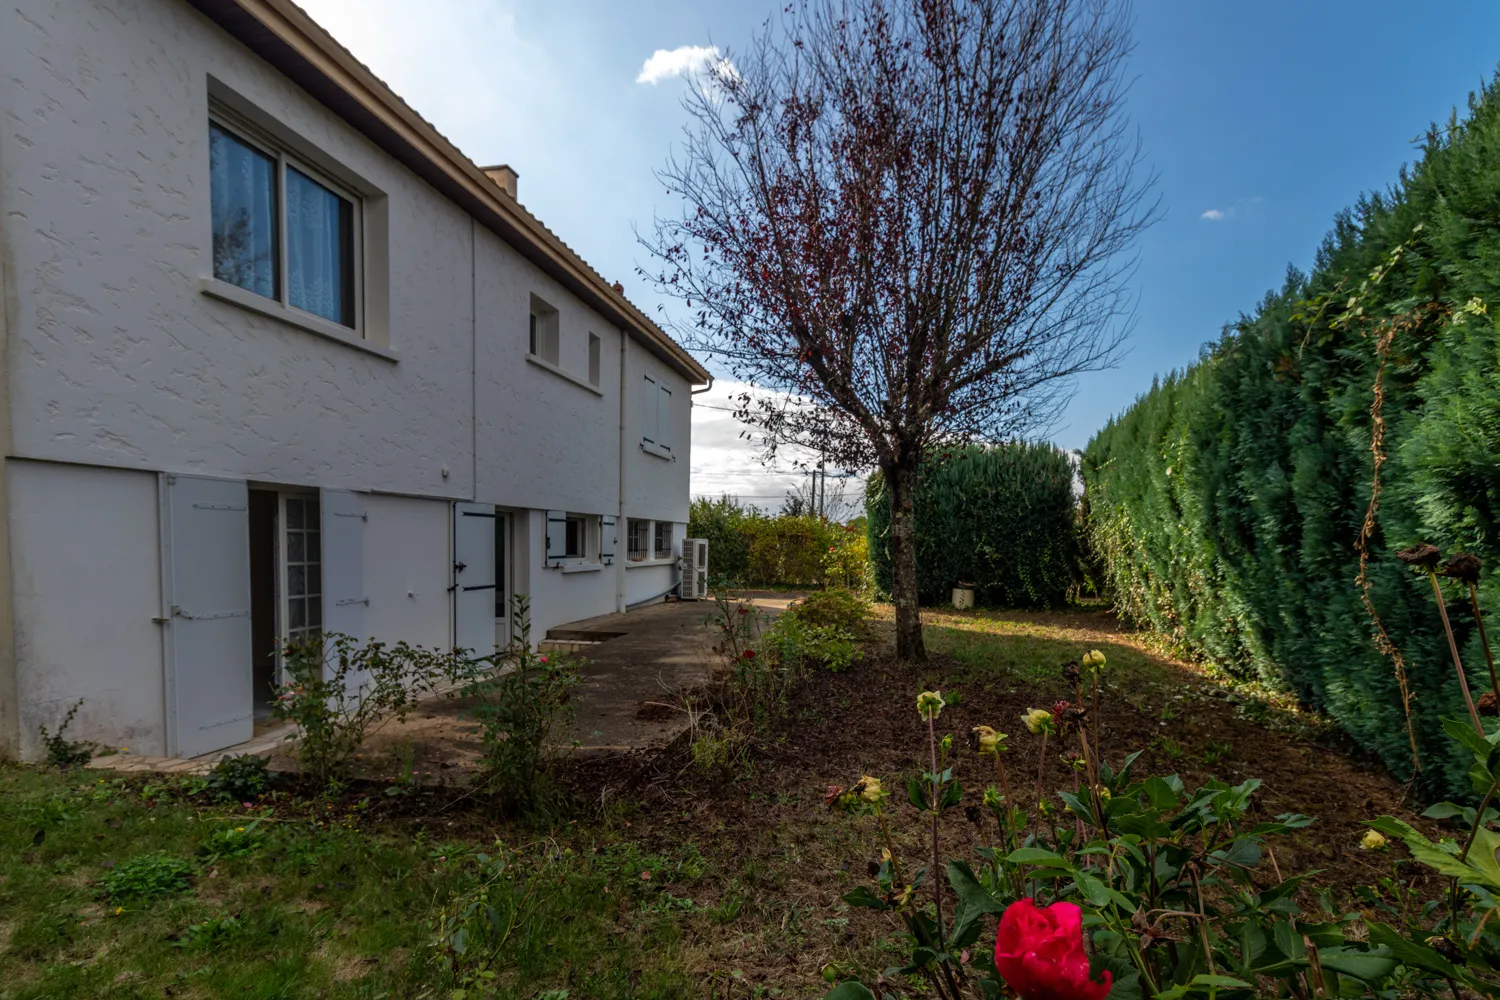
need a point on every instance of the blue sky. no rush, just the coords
(1271, 113)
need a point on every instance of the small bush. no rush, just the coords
(836, 607)
(519, 701)
(798, 647)
(63, 752)
(239, 779)
(147, 877)
(233, 842)
(339, 691)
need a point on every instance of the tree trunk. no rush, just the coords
(901, 480)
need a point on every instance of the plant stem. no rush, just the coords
(1040, 764)
(1484, 639)
(937, 884)
(1458, 663)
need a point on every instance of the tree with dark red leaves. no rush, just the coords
(910, 221)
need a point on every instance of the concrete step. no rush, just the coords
(567, 634)
(565, 645)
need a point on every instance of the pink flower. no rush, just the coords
(542, 658)
(1040, 953)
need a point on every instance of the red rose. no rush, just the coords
(1040, 953)
(748, 654)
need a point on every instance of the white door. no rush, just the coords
(474, 577)
(206, 562)
(344, 516)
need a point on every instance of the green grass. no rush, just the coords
(111, 888)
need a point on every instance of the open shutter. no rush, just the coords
(557, 537)
(649, 412)
(663, 417)
(345, 598)
(206, 561)
(609, 538)
(474, 577)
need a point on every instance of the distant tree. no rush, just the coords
(911, 219)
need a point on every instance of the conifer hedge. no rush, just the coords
(1003, 518)
(1227, 502)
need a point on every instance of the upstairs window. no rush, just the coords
(595, 350)
(544, 331)
(663, 540)
(282, 231)
(638, 540)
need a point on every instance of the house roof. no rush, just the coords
(284, 35)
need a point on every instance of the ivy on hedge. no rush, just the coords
(1225, 504)
(1003, 518)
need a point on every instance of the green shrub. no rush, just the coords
(519, 700)
(837, 608)
(239, 778)
(147, 877)
(797, 646)
(1226, 505)
(756, 549)
(1003, 518)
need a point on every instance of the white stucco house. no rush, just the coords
(278, 357)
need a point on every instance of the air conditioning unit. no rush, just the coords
(694, 569)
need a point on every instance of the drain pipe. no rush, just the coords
(621, 524)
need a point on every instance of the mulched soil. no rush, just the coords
(768, 835)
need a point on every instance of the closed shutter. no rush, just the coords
(557, 537)
(649, 414)
(474, 577)
(206, 561)
(663, 418)
(608, 538)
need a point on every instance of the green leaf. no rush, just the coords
(1366, 966)
(1409, 953)
(862, 896)
(851, 990)
(1036, 856)
(967, 887)
(916, 793)
(1481, 866)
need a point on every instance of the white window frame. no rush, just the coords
(283, 609)
(256, 138)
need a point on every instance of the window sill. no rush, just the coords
(652, 448)
(236, 296)
(546, 365)
(582, 567)
(649, 563)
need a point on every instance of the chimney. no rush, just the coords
(504, 176)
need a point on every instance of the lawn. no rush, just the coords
(664, 880)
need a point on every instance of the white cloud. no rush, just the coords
(1213, 215)
(685, 60)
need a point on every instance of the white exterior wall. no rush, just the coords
(121, 367)
(87, 583)
(120, 359)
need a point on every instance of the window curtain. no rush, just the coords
(319, 248)
(242, 195)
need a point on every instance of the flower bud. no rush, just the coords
(983, 739)
(869, 789)
(1372, 841)
(1038, 720)
(1093, 659)
(992, 798)
(930, 704)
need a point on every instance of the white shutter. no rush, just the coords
(609, 538)
(344, 595)
(650, 411)
(206, 562)
(663, 418)
(557, 537)
(474, 577)
(345, 598)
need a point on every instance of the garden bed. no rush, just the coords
(668, 881)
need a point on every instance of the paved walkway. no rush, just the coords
(636, 666)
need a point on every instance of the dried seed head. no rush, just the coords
(1071, 672)
(1424, 557)
(1464, 567)
(1487, 704)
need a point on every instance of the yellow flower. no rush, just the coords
(1372, 841)
(869, 789)
(119, 910)
(1093, 659)
(930, 704)
(1037, 720)
(992, 798)
(239, 829)
(905, 898)
(985, 740)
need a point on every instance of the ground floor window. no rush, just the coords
(303, 559)
(638, 540)
(663, 540)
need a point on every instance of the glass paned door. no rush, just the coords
(502, 579)
(302, 559)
